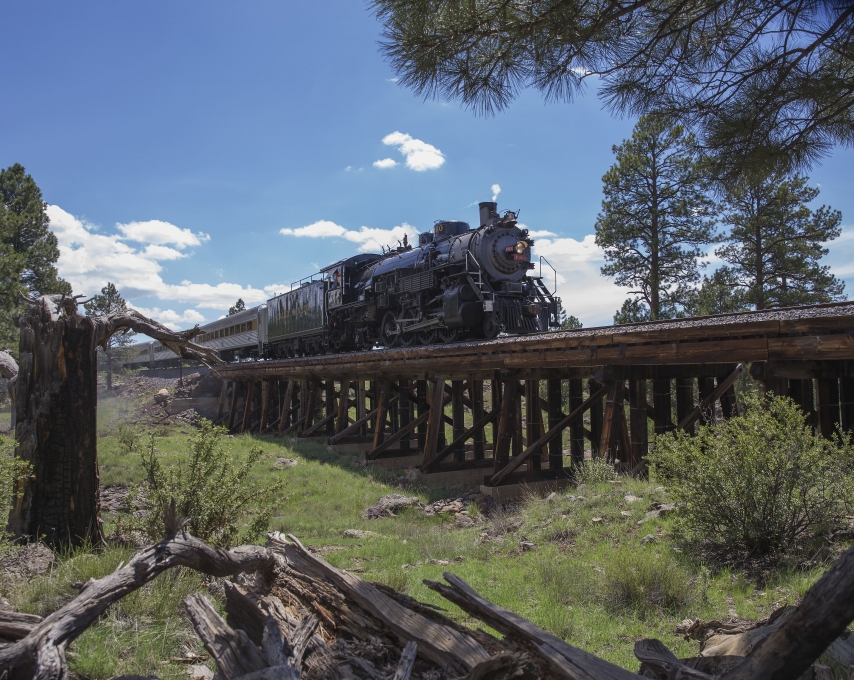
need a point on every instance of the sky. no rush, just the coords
(197, 152)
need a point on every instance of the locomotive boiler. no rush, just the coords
(457, 283)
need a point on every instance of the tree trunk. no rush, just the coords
(56, 395)
(56, 399)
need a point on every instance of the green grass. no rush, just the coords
(594, 583)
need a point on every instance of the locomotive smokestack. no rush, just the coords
(488, 210)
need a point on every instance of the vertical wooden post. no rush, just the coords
(405, 409)
(287, 405)
(423, 406)
(662, 411)
(435, 421)
(247, 405)
(266, 391)
(705, 386)
(220, 407)
(846, 398)
(517, 424)
(684, 399)
(384, 387)
(533, 422)
(236, 388)
(373, 388)
(341, 421)
(828, 405)
(331, 410)
(576, 430)
(595, 421)
(393, 409)
(458, 416)
(310, 402)
(555, 399)
(504, 433)
(610, 422)
(639, 428)
(360, 405)
(476, 396)
(496, 389)
(729, 405)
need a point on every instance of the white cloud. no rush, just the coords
(370, 240)
(496, 189)
(89, 258)
(541, 233)
(385, 163)
(419, 155)
(584, 291)
(170, 318)
(392, 80)
(348, 168)
(158, 232)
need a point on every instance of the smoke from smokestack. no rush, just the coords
(496, 189)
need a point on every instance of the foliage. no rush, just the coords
(569, 322)
(594, 471)
(238, 306)
(776, 242)
(11, 471)
(761, 82)
(644, 582)
(207, 487)
(632, 311)
(758, 484)
(655, 216)
(28, 250)
(718, 294)
(110, 301)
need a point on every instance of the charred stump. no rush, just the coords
(55, 395)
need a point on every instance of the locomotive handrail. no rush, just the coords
(479, 272)
(543, 259)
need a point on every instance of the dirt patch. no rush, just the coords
(25, 561)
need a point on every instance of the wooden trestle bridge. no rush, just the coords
(411, 403)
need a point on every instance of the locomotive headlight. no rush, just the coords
(521, 246)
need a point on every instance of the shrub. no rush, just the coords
(594, 471)
(642, 580)
(208, 489)
(12, 471)
(759, 484)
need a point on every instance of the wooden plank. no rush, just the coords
(495, 403)
(828, 406)
(236, 387)
(625, 446)
(266, 390)
(533, 421)
(435, 420)
(729, 404)
(478, 439)
(360, 405)
(222, 398)
(596, 410)
(684, 399)
(722, 387)
(310, 403)
(610, 423)
(505, 428)
(331, 414)
(247, 406)
(331, 418)
(517, 442)
(382, 411)
(638, 426)
(405, 412)
(662, 411)
(402, 433)
(287, 403)
(839, 346)
(422, 407)
(516, 461)
(458, 418)
(343, 403)
(553, 405)
(576, 428)
(484, 420)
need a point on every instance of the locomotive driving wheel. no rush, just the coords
(405, 339)
(426, 337)
(388, 329)
(447, 334)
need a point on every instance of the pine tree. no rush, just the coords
(776, 242)
(238, 306)
(110, 302)
(656, 217)
(718, 294)
(28, 250)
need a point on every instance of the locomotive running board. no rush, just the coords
(429, 323)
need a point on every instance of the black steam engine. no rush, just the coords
(458, 283)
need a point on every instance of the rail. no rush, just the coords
(543, 259)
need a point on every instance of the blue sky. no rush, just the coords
(175, 142)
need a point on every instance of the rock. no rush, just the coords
(648, 538)
(162, 396)
(660, 510)
(596, 520)
(464, 521)
(625, 513)
(282, 463)
(389, 506)
(25, 561)
(359, 533)
(629, 498)
(199, 672)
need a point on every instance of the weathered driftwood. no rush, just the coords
(14, 626)
(56, 402)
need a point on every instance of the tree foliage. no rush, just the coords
(760, 82)
(28, 250)
(110, 301)
(718, 294)
(776, 242)
(238, 306)
(569, 322)
(655, 217)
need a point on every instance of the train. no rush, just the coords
(458, 283)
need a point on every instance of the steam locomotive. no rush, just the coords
(458, 283)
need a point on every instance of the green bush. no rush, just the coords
(207, 487)
(594, 471)
(12, 471)
(759, 484)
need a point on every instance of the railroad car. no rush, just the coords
(457, 283)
